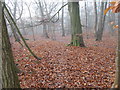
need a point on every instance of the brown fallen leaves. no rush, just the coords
(66, 66)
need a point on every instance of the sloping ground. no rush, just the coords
(66, 66)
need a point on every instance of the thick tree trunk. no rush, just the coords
(9, 75)
(77, 37)
(1, 45)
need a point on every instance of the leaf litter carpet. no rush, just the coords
(66, 66)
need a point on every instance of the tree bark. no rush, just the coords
(9, 75)
(1, 45)
(76, 37)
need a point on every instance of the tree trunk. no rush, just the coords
(9, 75)
(95, 27)
(0, 46)
(44, 24)
(45, 30)
(111, 19)
(17, 38)
(31, 21)
(86, 20)
(117, 74)
(77, 37)
(63, 31)
(101, 22)
(23, 27)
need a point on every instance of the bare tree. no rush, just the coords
(14, 13)
(31, 21)
(101, 22)
(96, 19)
(43, 18)
(86, 19)
(62, 22)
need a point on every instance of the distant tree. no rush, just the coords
(111, 23)
(45, 33)
(9, 75)
(96, 19)
(101, 22)
(86, 19)
(31, 21)
(77, 37)
(16, 8)
(62, 23)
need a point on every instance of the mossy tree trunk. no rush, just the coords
(9, 75)
(77, 37)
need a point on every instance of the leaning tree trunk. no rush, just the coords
(9, 75)
(77, 37)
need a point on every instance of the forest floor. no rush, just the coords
(66, 66)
